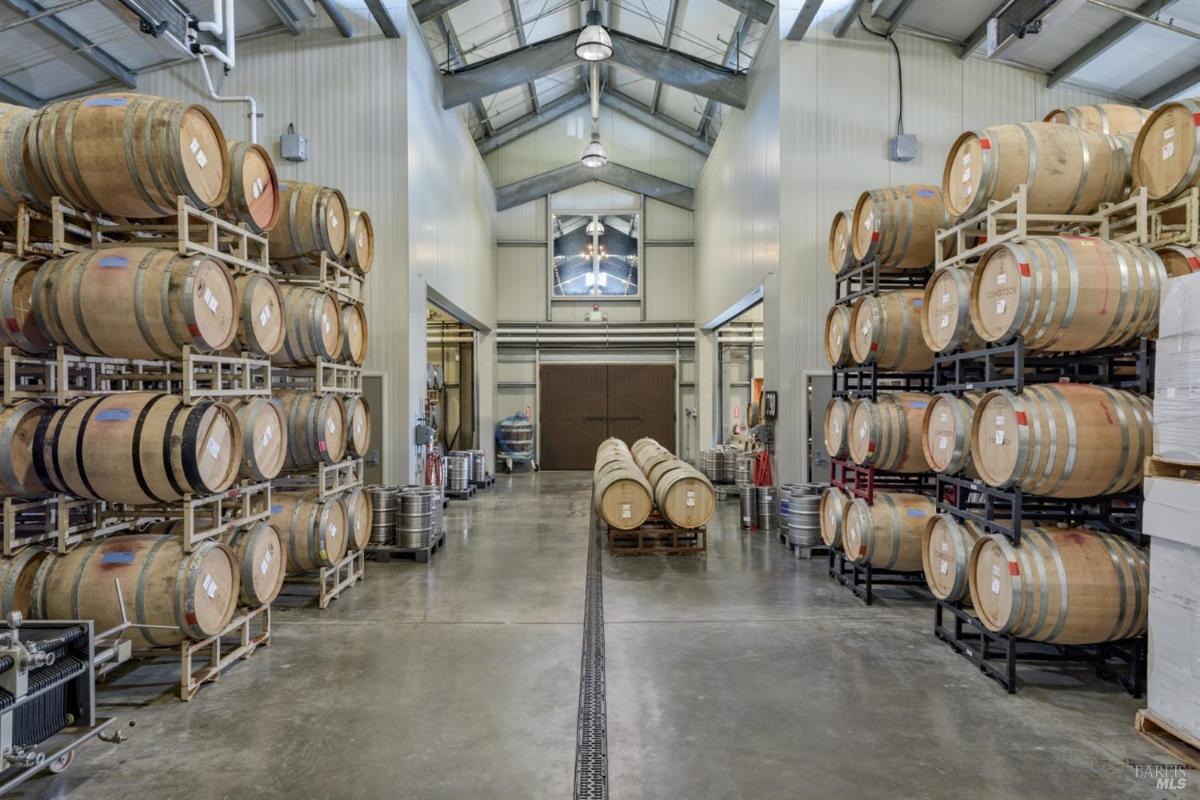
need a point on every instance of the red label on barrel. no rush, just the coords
(874, 346)
(1021, 418)
(1014, 568)
(1024, 269)
(15, 326)
(1196, 120)
(985, 144)
(875, 237)
(193, 329)
(1193, 262)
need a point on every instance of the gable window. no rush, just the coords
(596, 255)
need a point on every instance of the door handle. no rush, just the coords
(634, 418)
(594, 417)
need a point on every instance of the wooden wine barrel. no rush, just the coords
(837, 336)
(129, 155)
(897, 226)
(360, 247)
(1179, 260)
(1067, 293)
(192, 594)
(889, 533)
(946, 321)
(684, 496)
(1062, 439)
(358, 425)
(138, 448)
(253, 198)
(1067, 170)
(316, 428)
(1110, 118)
(946, 433)
(264, 437)
(16, 581)
(18, 429)
(354, 333)
(258, 551)
(314, 534)
(885, 329)
(261, 322)
(837, 428)
(1166, 159)
(886, 433)
(946, 552)
(19, 326)
(136, 302)
(313, 219)
(833, 514)
(15, 184)
(841, 252)
(314, 327)
(1065, 586)
(358, 518)
(621, 494)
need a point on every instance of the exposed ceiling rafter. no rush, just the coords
(758, 10)
(87, 49)
(12, 93)
(979, 34)
(1168, 90)
(852, 12)
(514, 8)
(425, 10)
(288, 14)
(672, 130)
(383, 17)
(732, 53)
(898, 16)
(804, 21)
(455, 57)
(531, 122)
(668, 36)
(1110, 37)
(572, 175)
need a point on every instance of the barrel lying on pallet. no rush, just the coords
(358, 425)
(1179, 260)
(620, 492)
(18, 430)
(886, 433)
(139, 448)
(946, 318)
(838, 336)
(946, 552)
(314, 327)
(841, 252)
(316, 425)
(682, 494)
(1164, 157)
(837, 427)
(897, 226)
(354, 333)
(1071, 586)
(262, 325)
(15, 183)
(315, 534)
(1110, 118)
(1066, 170)
(253, 198)
(258, 554)
(885, 329)
(17, 575)
(1067, 293)
(136, 302)
(360, 247)
(192, 595)
(18, 325)
(887, 534)
(129, 155)
(946, 433)
(313, 219)
(358, 519)
(834, 502)
(1062, 439)
(264, 437)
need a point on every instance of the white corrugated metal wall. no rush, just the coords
(369, 107)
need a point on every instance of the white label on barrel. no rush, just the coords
(332, 219)
(194, 146)
(1000, 420)
(1168, 150)
(332, 427)
(256, 189)
(201, 159)
(691, 499)
(945, 567)
(1001, 278)
(944, 322)
(264, 315)
(995, 586)
(1001, 304)
(1169, 133)
(862, 432)
(210, 586)
(266, 437)
(362, 240)
(332, 531)
(210, 300)
(966, 159)
(214, 447)
(869, 222)
(358, 426)
(945, 547)
(265, 563)
(967, 192)
(325, 322)
(626, 512)
(866, 328)
(942, 443)
(999, 437)
(840, 241)
(966, 175)
(945, 297)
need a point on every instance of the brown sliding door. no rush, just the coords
(584, 404)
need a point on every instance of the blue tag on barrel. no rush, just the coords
(102, 102)
(114, 415)
(118, 557)
(108, 262)
(925, 192)
(276, 509)
(916, 512)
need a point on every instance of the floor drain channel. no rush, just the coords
(591, 738)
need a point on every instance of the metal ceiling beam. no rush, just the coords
(1168, 90)
(668, 35)
(848, 18)
(898, 15)
(15, 94)
(572, 175)
(531, 122)
(1013, 34)
(339, 19)
(1110, 37)
(979, 34)
(808, 12)
(426, 10)
(288, 14)
(77, 42)
(731, 56)
(638, 113)
(514, 8)
(455, 56)
(758, 10)
(383, 17)
(547, 57)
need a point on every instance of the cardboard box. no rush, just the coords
(1172, 510)
(1177, 372)
(1173, 692)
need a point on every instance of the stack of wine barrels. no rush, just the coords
(621, 494)
(682, 494)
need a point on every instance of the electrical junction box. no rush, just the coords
(903, 147)
(293, 147)
(595, 315)
(424, 434)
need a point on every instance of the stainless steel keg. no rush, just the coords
(383, 513)
(458, 471)
(766, 499)
(415, 519)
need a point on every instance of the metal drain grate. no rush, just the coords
(591, 737)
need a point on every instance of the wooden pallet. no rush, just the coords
(386, 552)
(1179, 744)
(1157, 467)
(657, 538)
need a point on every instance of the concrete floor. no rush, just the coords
(746, 674)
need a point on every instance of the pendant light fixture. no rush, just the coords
(593, 42)
(594, 155)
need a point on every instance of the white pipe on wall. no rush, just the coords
(247, 99)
